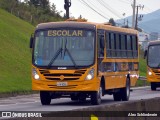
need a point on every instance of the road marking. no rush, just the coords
(20, 103)
(136, 88)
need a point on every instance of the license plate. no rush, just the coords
(62, 83)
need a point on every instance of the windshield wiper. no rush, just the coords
(159, 65)
(66, 49)
(54, 57)
(71, 58)
(57, 54)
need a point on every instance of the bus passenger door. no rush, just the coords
(100, 50)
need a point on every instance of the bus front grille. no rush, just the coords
(62, 76)
(62, 87)
(156, 71)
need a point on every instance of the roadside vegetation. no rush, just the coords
(17, 21)
(143, 70)
(15, 56)
(32, 11)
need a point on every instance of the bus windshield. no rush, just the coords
(64, 48)
(154, 56)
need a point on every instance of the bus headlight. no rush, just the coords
(149, 73)
(35, 74)
(90, 74)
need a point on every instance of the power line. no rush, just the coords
(86, 4)
(105, 5)
(124, 1)
(98, 8)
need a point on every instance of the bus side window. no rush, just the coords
(135, 46)
(129, 46)
(108, 44)
(123, 46)
(101, 44)
(113, 44)
(118, 45)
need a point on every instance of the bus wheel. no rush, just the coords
(153, 86)
(125, 92)
(117, 96)
(82, 99)
(45, 98)
(74, 97)
(96, 97)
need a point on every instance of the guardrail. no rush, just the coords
(142, 78)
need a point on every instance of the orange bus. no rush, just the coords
(83, 60)
(153, 64)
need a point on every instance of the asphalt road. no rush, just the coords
(32, 102)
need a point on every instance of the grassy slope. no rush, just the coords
(142, 68)
(15, 56)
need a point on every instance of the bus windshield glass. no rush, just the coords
(154, 56)
(64, 48)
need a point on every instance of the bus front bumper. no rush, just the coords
(41, 85)
(153, 78)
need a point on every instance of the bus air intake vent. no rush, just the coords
(156, 71)
(63, 76)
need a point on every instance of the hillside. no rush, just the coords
(15, 56)
(150, 22)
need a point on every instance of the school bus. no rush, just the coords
(83, 60)
(153, 63)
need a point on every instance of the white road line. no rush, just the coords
(20, 103)
(136, 88)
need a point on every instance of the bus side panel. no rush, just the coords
(133, 78)
(114, 80)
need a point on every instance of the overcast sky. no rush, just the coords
(107, 8)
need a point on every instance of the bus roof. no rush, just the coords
(65, 24)
(155, 42)
(87, 25)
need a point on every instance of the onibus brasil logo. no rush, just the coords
(93, 117)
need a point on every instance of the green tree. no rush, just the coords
(111, 20)
(44, 4)
(40, 3)
(34, 2)
(33, 11)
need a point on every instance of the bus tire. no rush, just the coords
(82, 99)
(96, 97)
(153, 86)
(103, 86)
(125, 92)
(74, 97)
(117, 96)
(45, 98)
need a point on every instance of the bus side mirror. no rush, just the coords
(31, 41)
(145, 54)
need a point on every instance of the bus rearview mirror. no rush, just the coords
(145, 54)
(31, 42)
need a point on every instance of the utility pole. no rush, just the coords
(127, 22)
(67, 4)
(141, 7)
(133, 17)
(124, 18)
